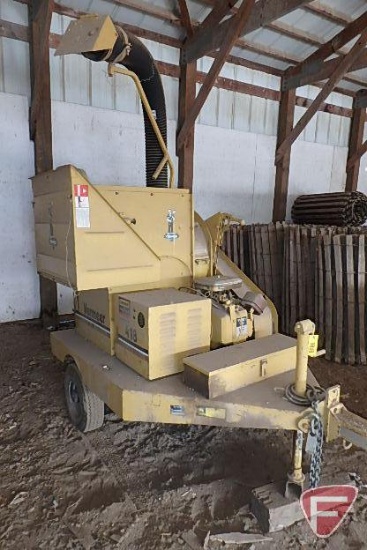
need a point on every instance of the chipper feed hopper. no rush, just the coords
(168, 329)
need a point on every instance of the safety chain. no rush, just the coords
(317, 431)
(313, 393)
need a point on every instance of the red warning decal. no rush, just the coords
(81, 190)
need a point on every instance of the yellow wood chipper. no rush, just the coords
(168, 329)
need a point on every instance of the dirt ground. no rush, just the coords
(140, 486)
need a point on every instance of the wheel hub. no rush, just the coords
(73, 393)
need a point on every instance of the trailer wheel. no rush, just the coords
(85, 408)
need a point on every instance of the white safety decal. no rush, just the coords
(82, 211)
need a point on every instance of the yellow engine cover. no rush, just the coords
(157, 329)
(230, 326)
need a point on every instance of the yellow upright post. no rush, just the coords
(303, 329)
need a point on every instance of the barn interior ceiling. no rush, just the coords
(278, 35)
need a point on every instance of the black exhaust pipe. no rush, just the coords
(139, 60)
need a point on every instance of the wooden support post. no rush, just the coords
(40, 13)
(355, 143)
(187, 94)
(237, 23)
(186, 98)
(285, 126)
(358, 155)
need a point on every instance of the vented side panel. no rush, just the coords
(194, 328)
(167, 327)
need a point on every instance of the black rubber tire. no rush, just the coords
(85, 408)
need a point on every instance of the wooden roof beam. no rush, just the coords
(169, 17)
(314, 63)
(138, 31)
(238, 21)
(324, 73)
(295, 34)
(316, 8)
(287, 30)
(148, 9)
(220, 10)
(185, 17)
(176, 43)
(332, 15)
(14, 31)
(263, 13)
(140, 7)
(327, 68)
(20, 32)
(343, 67)
(236, 60)
(167, 40)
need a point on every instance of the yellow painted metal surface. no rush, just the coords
(209, 260)
(313, 345)
(158, 328)
(204, 251)
(103, 240)
(94, 318)
(303, 329)
(94, 333)
(166, 158)
(88, 34)
(230, 325)
(91, 237)
(264, 324)
(168, 400)
(227, 369)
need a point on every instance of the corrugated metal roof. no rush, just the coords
(304, 28)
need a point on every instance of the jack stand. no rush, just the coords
(296, 478)
(274, 511)
(276, 505)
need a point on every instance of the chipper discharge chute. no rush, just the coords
(168, 329)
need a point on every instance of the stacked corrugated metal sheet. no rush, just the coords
(313, 272)
(339, 209)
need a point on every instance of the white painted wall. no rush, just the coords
(19, 292)
(234, 171)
